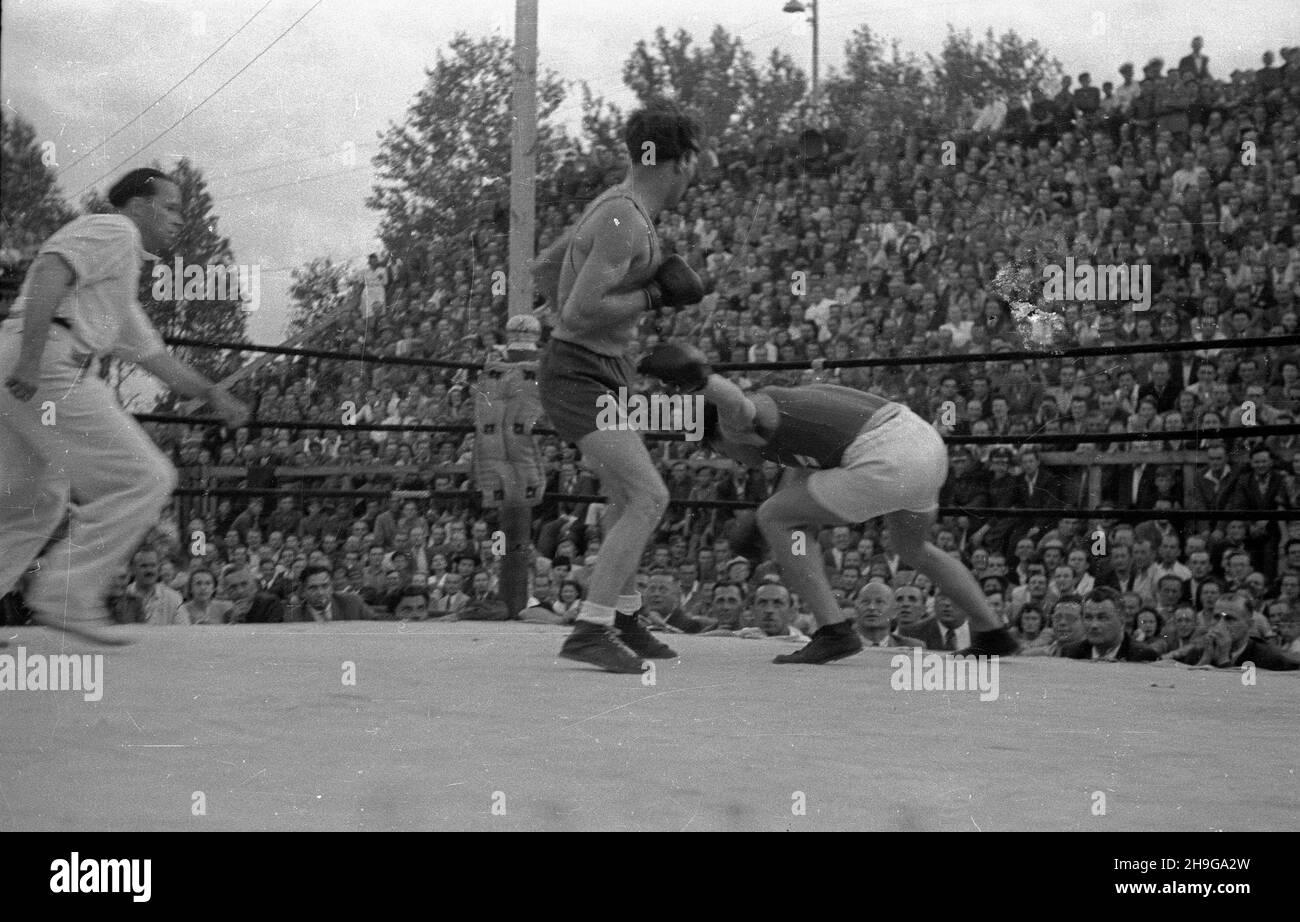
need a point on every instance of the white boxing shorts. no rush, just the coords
(898, 463)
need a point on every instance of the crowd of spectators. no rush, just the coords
(839, 244)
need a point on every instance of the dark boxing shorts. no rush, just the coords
(570, 378)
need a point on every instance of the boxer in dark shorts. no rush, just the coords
(601, 277)
(571, 379)
(850, 457)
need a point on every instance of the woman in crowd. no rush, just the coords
(1031, 630)
(437, 570)
(1150, 627)
(200, 606)
(570, 600)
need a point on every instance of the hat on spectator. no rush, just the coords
(1001, 454)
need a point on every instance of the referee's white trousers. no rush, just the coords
(72, 440)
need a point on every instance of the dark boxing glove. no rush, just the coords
(683, 366)
(675, 285)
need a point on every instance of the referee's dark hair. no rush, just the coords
(139, 183)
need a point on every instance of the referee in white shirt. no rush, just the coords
(62, 434)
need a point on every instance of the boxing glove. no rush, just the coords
(683, 366)
(675, 285)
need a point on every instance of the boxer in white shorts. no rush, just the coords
(63, 435)
(850, 456)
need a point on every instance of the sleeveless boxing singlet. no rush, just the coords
(608, 341)
(816, 423)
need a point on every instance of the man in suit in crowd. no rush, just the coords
(1004, 491)
(321, 603)
(1104, 637)
(251, 606)
(1161, 387)
(1216, 487)
(663, 603)
(1134, 487)
(565, 526)
(1195, 65)
(874, 623)
(1228, 644)
(841, 544)
(1264, 489)
(1041, 488)
(946, 630)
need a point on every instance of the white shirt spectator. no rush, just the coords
(1177, 570)
(818, 312)
(1126, 94)
(1197, 177)
(376, 280)
(991, 117)
(961, 332)
(766, 352)
(161, 606)
(214, 612)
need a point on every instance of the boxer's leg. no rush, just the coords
(794, 509)
(573, 381)
(33, 491)
(121, 482)
(638, 497)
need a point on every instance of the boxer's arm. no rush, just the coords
(181, 377)
(736, 412)
(600, 297)
(52, 279)
(546, 268)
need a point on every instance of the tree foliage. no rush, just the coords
(719, 81)
(31, 205)
(1006, 65)
(211, 318)
(317, 289)
(879, 87)
(448, 165)
(602, 121)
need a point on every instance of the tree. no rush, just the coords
(775, 97)
(1006, 65)
(602, 122)
(877, 90)
(31, 205)
(719, 82)
(318, 288)
(199, 310)
(437, 170)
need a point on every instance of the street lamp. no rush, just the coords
(794, 6)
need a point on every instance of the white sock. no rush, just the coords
(596, 614)
(629, 604)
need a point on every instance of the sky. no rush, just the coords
(285, 144)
